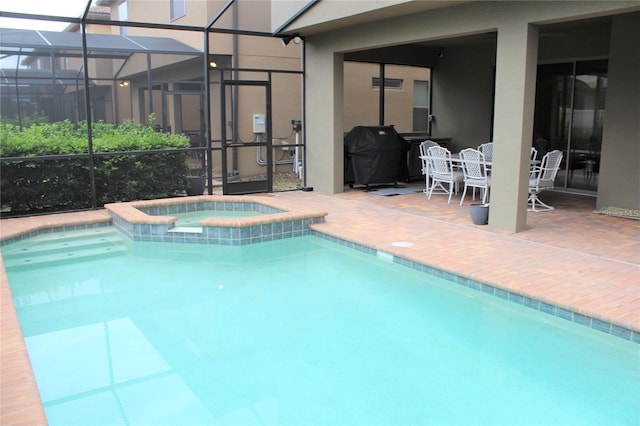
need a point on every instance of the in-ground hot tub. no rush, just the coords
(265, 220)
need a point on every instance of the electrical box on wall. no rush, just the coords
(259, 125)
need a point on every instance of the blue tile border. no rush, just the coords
(225, 235)
(234, 206)
(243, 231)
(594, 323)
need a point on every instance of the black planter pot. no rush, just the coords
(479, 213)
(196, 185)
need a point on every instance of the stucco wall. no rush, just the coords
(362, 101)
(462, 92)
(620, 161)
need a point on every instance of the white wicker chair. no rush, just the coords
(487, 150)
(534, 156)
(542, 178)
(475, 173)
(442, 171)
(426, 169)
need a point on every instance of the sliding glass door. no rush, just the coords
(569, 115)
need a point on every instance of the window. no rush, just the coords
(178, 9)
(421, 106)
(389, 83)
(123, 15)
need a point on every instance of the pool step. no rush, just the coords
(62, 246)
(73, 234)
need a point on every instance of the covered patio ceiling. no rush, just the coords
(423, 53)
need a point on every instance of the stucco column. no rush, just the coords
(619, 179)
(516, 62)
(324, 119)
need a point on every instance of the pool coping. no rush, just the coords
(136, 220)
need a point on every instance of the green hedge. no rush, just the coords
(30, 186)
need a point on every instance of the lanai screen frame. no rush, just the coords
(33, 43)
(86, 48)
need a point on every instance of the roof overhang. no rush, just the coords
(334, 15)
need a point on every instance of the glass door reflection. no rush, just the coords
(569, 115)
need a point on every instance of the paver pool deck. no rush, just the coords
(570, 257)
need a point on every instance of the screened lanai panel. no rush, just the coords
(53, 94)
(163, 45)
(288, 152)
(45, 77)
(248, 15)
(108, 42)
(63, 40)
(19, 38)
(155, 74)
(253, 16)
(258, 15)
(13, 37)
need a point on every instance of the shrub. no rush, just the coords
(27, 186)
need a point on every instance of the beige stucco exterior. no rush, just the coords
(620, 167)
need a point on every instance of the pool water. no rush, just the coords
(303, 331)
(194, 218)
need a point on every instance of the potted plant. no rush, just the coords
(197, 185)
(197, 176)
(479, 213)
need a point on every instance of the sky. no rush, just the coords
(68, 8)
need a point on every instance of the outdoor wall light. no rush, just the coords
(124, 83)
(213, 64)
(288, 39)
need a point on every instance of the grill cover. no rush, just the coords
(375, 155)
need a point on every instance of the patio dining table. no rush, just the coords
(457, 164)
(455, 158)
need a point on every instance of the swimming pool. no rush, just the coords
(170, 333)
